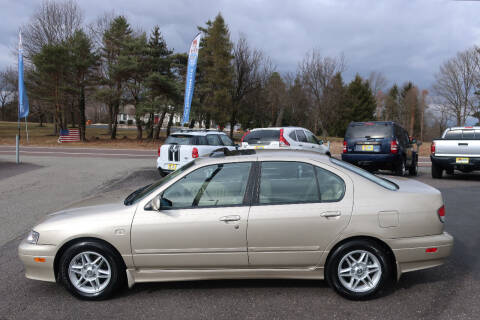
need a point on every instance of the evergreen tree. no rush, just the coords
(360, 100)
(215, 81)
(392, 106)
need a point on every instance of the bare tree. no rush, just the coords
(247, 64)
(7, 89)
(456, 84)
(52, 23)
(377, 81)
(317, 73)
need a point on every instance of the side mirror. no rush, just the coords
(320, 141)
(158, 203)
(413, 141)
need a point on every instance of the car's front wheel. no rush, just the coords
(91, 270)
(359, 270)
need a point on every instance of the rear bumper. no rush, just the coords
(38, 270)
(451, 162)
(381, 161)
(411, 255)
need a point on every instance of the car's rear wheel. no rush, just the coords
(359, 270)
(91, 270)
(413, 170)
(437, 171)
(400, 168)
(161, 172)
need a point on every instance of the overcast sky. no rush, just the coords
(405, 40)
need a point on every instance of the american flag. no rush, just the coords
(69, 135)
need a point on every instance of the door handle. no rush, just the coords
(229, 218)
(330, 214)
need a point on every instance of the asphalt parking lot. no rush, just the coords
(45, 184)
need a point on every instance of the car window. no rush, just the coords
(311, 138)
(293, 136)
(215, 185)
(468, 135)
(301, 135)
(287, 182)
(262, 136)
(369, 130)
(332, 187)
(202, 140)
(453, 135)
(212, 140)
(181, 139)
(387, 184)
(226, 140)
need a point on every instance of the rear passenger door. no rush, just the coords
(298, 210)
(302, 139)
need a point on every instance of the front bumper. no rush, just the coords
(451, 162)
(411, 255)
(38, 270)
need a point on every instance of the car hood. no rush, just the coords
(107, 214)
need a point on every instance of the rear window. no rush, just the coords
(369, 130)
(468, 134)
(181, 139)
(262, 136)
(367, 175)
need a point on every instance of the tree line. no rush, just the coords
(109, 64)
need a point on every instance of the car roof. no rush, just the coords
(277, 128)
(466, 127)
(196, 132)
(267, 154)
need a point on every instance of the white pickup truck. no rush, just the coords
(458, 148)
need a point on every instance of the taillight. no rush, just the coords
(282, 140)
(441, 213)
(194, 153)
(394, 146)
(344, 146)
(159, 151)
(432, 147)
(244, 136)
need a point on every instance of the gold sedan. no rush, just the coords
(269, 214)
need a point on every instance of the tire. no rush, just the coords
(161, 172)
(86, 279)
(413, 170)
(369, 281)
(437, 171)
(400, 168)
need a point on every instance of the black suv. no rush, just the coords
(380, 145)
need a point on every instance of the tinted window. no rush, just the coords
(287, 182)
(311, 138)
(453, 135)
(293, 136)
(181, 139)
(215, 185)
(226, 140)
(468, 134)
(332, 187)
(301, 136)
(212, 140)
(367, 175)
(369, 129)
(262, 136)
(202, 140)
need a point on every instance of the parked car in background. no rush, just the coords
(309, 216)
(184, 145)
(284, 138)
(379, 145)
(458, 148)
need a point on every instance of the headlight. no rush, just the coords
(33, 237)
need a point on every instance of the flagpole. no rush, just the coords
(26, 127)
(17, 138)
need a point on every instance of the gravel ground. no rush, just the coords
(451, 291)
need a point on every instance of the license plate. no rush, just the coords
(259, 147)
(171, 166)
(367, 147)
(463, 160)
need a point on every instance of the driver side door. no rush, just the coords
(202, 224)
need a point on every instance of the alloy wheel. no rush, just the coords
(89, 272)
(359, 271)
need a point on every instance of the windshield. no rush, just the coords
(146, 190)
(369, 130)
(367, 175)
(181, 139)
